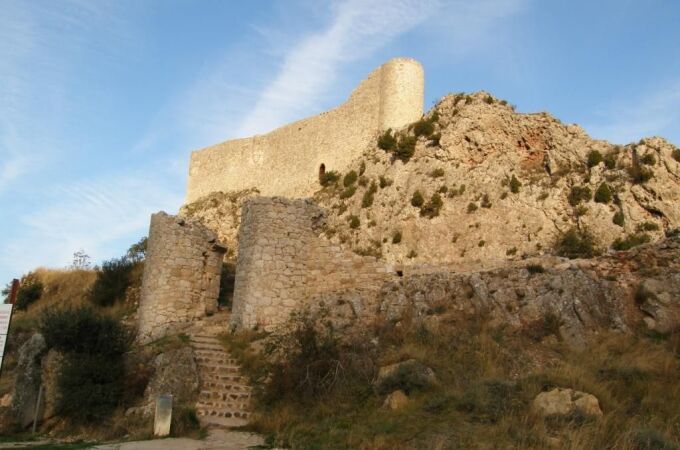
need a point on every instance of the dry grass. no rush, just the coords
(488, 379)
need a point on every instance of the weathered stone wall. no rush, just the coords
(286, 161)
(283, 265)
(181, 275)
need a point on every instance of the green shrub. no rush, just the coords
(348, 192)
(396, 237)
(619, 219)
(406, 147)
(642, 294)
(90, 387)
(535, 268)
(481, 243)
(488, 100)
(579, 194)
(312, 363)
(412, 254)
(648, 159)
(515, 184)
(435, 139)
(137, 251)
(387, 141)
(577, 243)
(363, 181)
(471, 207)
(431, 208)
(91, 378)
(367, 200)
(511, 251)
(362, 167)
(437, 173)
(610, 161)
(647, 226)
(581, 210)
(639, 174)
(417, 199)
(603, 194)
(112, 281)
(30, 291)
(423, 127)
(82, 330)
(328, 178)
(384, 182)
(632, 240)
(410, 377)
(485, 201)
(354, 222)
(350, 178)
(594, 158)
(676, 154)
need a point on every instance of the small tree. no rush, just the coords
(112, 281)
(515, 184)
(81, 260)
(594, 158)
(417, 199)
(603, 194)
(137, 251)
(387, 141)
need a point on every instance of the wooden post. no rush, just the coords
(14, 291)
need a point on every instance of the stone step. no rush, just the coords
(224, 360)
(222, 377)
(223, 422)
(207, 405)
(224, 368)
(205, 339)
(204, 346)
(235, 384)
(224, 396)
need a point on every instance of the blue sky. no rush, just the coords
(102, 101)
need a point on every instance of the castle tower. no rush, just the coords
(402, 92)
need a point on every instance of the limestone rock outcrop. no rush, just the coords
(566, 402)
(27, 382)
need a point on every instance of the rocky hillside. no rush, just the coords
(475, 181)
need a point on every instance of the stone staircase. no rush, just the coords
(224, 398)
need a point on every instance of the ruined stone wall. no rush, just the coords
(181, 279)
(283, 265)
(286, 161)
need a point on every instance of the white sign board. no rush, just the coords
(5, 315)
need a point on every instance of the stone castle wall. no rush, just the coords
(286, 161)
(283, 265)
(181, 279)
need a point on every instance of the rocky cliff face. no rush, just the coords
(509, 185)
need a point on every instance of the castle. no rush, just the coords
(390, 97)
(282, 264)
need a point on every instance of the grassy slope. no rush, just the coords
(488, 379)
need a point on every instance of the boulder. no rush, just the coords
(396, 400)
(51, 365)
(27, 382)
(406, 375)
(566, 402)
(176, 374)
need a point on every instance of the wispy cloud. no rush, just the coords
(41, 46)
(310, 67)
(93, 214)
(654, 113)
